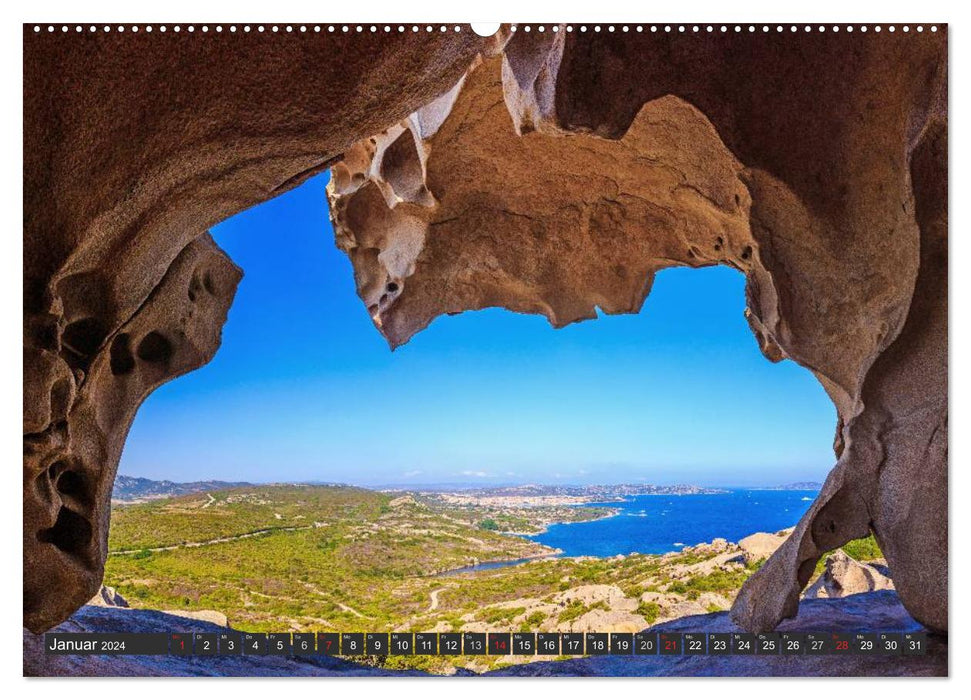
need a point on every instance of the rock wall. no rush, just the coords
(558, 177)
(548, 173)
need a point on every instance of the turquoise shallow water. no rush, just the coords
(659, 524)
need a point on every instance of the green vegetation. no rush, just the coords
(494, 615)
(575, 609)
(315, 558)
(533, 621)
(865, 549)
(649, 611)
(718, 581)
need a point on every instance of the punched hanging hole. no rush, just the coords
(485, 29)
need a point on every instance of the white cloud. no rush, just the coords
(474, 473)
(414, 472)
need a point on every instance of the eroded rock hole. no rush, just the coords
(201, 280)
(81, 339)
(155, 348)
(71, 483)
(122, 360)
(71, 532)
(401, 167)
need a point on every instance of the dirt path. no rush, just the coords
(352, 611)
(346, 608)
(434, 599)
(217, 540)
(433, 605)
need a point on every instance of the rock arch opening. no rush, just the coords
(303, 388)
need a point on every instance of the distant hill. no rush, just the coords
(135, 488)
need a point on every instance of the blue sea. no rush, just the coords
(659, 524)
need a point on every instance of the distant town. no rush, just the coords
(129, 489)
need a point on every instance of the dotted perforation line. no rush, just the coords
(726, 28)
(429, 28)
(245, 28)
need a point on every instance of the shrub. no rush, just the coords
(493, 615)
(533, 621)
(865, 549)
(572, 611)
(649, 611)
(677, 587)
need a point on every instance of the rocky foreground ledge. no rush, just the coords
(875, 611)
(866, 612)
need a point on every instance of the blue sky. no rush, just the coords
(304, 387)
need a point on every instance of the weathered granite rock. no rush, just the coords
(558, 177)
(108, 597)
(134, 145)
(845, 576)
(880, 611)
(761, 545)
(213, 616)
(69, 464)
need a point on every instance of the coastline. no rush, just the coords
(675, 524)
(545, 527)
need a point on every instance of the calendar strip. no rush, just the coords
(553, 644)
